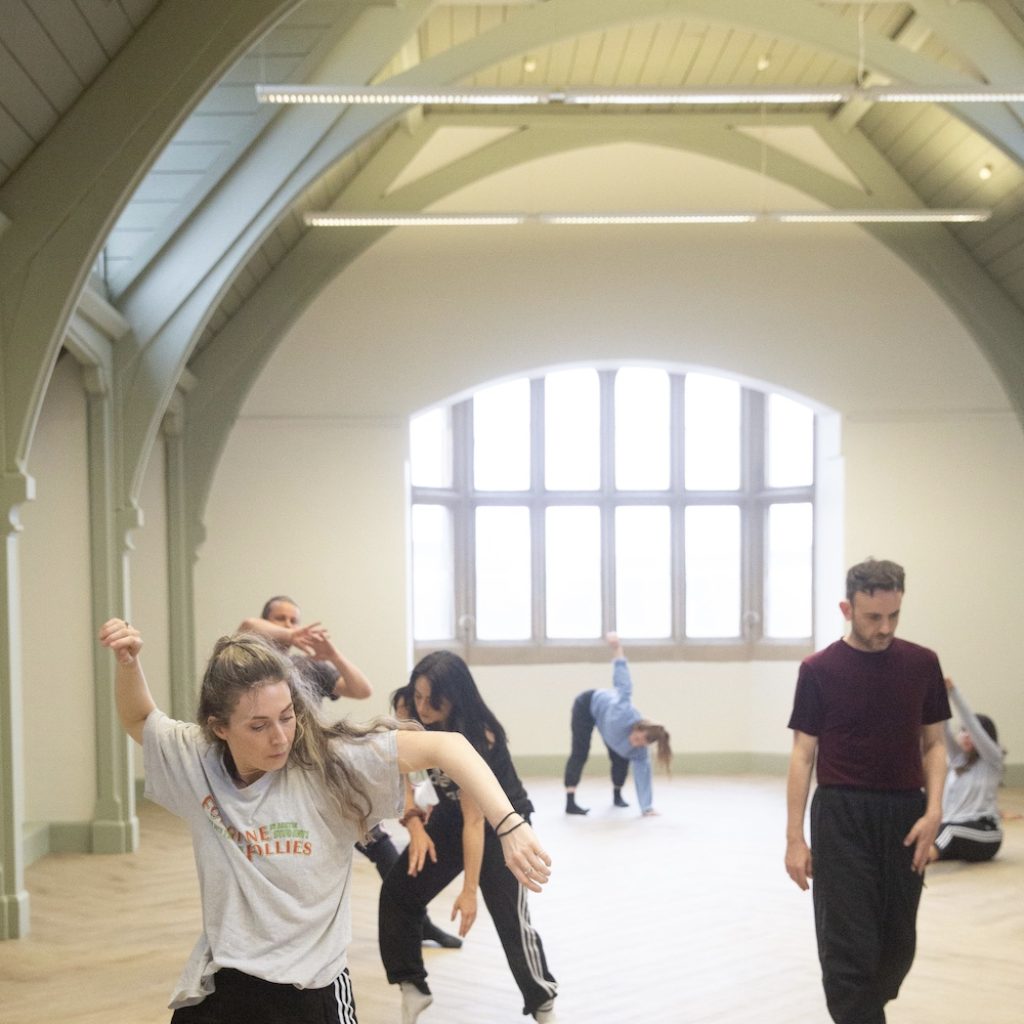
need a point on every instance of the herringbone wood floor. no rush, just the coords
(687, 918)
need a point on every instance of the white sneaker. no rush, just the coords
(546, 1014)
(414, 1002)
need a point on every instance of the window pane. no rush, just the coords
(573, 561)
(711, 433)
(433, 590)
(572, 431)
(503, 573)
(713, 571)
(790, 443)
(787, 592)
(641, 430)
(643, 572)
(430, 448)
(501, 437)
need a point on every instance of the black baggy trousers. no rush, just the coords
(866, 895)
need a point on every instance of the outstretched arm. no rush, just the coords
(131, 693)
(472, 858)
(799, 865)
(454, 755)
(613, 641)
(351, 680)
(988, 749)
(283, 636)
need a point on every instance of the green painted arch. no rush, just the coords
(64, 199)
(228, 367)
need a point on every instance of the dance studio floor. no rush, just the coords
(687, 918)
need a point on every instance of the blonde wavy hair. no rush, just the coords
(245, 662)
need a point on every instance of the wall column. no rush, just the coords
(15, 490)
(183, 540)
(114, 826)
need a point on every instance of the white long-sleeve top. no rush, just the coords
(971, 793)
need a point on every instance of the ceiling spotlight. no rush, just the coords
(529, 65)
(764, 62)
(985, 172)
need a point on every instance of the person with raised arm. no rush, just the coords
(971, 827)
(626, 734)
(275, 799)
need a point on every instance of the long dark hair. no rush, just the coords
(990, 727)
(451, 680)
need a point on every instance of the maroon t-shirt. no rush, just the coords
(867, 709)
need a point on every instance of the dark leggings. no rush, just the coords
(972, 841)
(379, 850)
(242, 999)
(865, 894)
(582, 725)
(403, 897)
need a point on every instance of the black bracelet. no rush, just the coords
(503, 820)
(501, 835)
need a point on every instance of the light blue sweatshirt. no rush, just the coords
(615, 716)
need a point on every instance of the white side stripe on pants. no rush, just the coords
(529, 937)
(343, 998)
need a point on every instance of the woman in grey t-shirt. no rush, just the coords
(275, 799)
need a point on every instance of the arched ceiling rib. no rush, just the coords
(64, 195)
(205, 259)
(226, 368)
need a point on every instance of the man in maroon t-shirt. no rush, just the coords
(870, 708)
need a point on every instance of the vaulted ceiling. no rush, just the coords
(131, 139)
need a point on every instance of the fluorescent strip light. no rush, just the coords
(383, 95)
(645, 218)
(938, 94)
(935, 216)
(350, 219)
(412, 220)
(705, 97)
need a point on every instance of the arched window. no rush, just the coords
(677, 509)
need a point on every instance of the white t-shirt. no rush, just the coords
(274, 858)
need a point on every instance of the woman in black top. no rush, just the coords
(441, 694)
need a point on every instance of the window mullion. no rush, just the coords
(679, 501)
(754, 513)
(538, 504)
(464, 523)
(606, 500)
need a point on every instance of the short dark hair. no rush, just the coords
(870, 575)
(265, 614)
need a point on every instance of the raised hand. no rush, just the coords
(124, 640)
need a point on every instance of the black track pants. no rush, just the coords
(866, 895)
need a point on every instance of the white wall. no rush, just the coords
(315, 509)
(933, 459)
(56, 618)
(946, 494)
